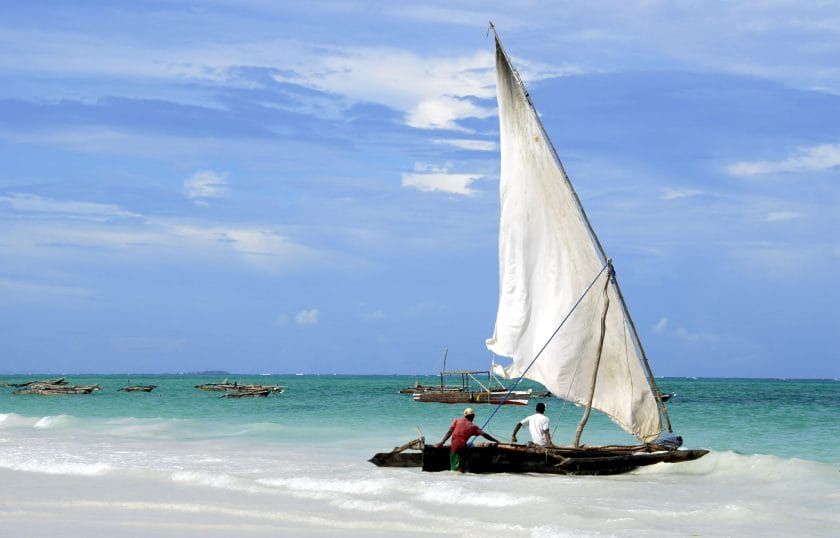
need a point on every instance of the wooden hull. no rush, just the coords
(58, 390)
(277, 389)
(247, 394)
(235, 387)
(516, 397)
(507, 458)
(139, 388)
(398, 459)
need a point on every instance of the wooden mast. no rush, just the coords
(588, 410)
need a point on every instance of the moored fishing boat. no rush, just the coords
(48, 389)
(476, 386)
(561, 319)
(138, 388)
(255, 387)
(227, 386)
(253, 393)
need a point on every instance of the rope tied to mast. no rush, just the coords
(607, 266)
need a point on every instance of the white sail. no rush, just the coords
(548, 258)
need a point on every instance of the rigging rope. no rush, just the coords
(537, 356)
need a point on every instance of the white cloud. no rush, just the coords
(25, 289)
(785, 263)
(437, 14)
(266, 249)
(307, 317)
(139, 144)
(205, 184)
(780, 216)
(58, 227)
(367, 314)
(432, 92)
(681, 333)
(684, 334)
(124, 57)
(661, 325)
(811, 159)
(443, 112)
(31, 203)
(470, 145)
(374, 316)
(430, 179)
(675, 194)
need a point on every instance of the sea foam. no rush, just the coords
(56, 467)
(13, 420)
(217, 480)
(57, 421)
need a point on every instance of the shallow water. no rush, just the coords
(297, 462)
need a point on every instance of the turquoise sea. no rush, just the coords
(297, 461)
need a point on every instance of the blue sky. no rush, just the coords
(287, 187)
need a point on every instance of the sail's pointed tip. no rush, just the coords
(492, 28)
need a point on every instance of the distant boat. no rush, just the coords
(467, 386)
(272, 389)
(254, 393)
(561, 315)
(138, 388)
(476, 387)
(235, 390)
(51, 389)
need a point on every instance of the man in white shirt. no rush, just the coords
(537, 426)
